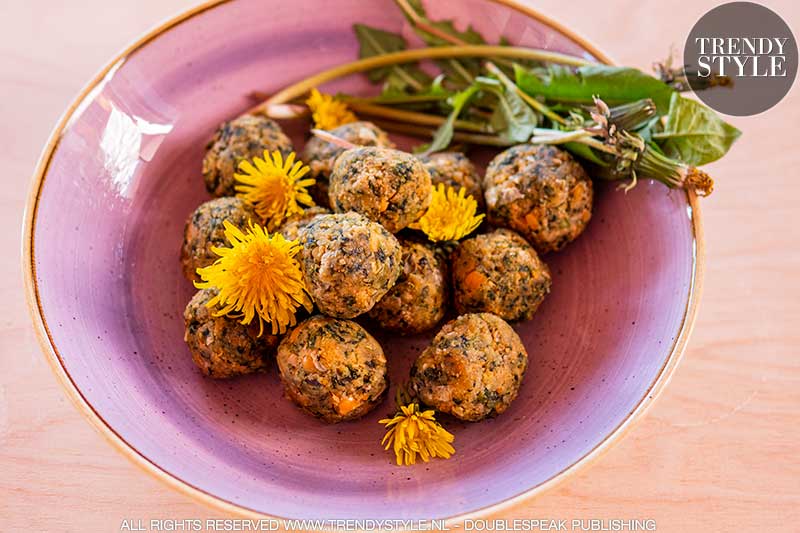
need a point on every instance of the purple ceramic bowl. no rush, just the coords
(104, 225)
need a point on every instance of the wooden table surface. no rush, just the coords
(719, 451)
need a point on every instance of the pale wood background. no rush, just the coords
(717, 452)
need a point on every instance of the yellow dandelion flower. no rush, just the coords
(257, 276)
(274, 186)
(413, 433)
(328, 112)
(450, 216)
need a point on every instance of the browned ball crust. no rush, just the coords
(320, 155)
(348, 262)
(418, 300)
(333, 369)
(204, 229)
(242, 138)
(455, 170)
(500, 273)
(541, 192)
(221, 346)
(473, 368)
(292, 226)
(385, 185)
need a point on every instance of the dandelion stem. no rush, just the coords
(414, 117)
(408, 56)
(598, 145)
(333, 139)
(285, 111)
(290, 111)
(424, 25)
(387, 99)
(468, 79)
(426, 133)
(558, 137)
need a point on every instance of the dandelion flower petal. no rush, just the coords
(327, 112)
(412, 433)
(257, 276)
(450, 216)
(274, 187)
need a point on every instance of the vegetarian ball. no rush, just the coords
(541, 192)
(418, 300)
(245, 137)
(500, 273)
(320, 155)
(472, 369)
(292, 226)
(455, 170)
(221, 346)
(333, 369)
(348, 263)
(204, 230)
(383, 184)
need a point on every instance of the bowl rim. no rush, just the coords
(56, 363)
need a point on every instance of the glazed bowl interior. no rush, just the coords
(106, 231)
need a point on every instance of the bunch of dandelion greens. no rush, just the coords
(501, 95)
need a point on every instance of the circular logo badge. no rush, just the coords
(740, 58)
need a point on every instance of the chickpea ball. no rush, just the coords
(292, 226)
(221, 346)
(242, 138)
(320, 155)
(500, 273)
(454, 169)
(418, 300)
(473, 368)
(385, 185)
(348, 262)
(541, 192)
(332, 369)
(205, 229)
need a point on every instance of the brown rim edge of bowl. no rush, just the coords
(56, 364)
